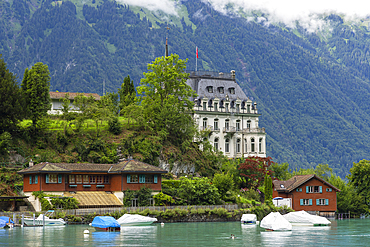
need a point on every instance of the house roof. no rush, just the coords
(296, 181)
(60, 95)
(94, 198)
(122, 167)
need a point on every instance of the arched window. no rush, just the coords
(252, 145)
(260, 145)
(215, 144)
(227, 146)
(238, 145)
(227, 124)
(215, 124)
(246, 146)
(204, 123)
(248, 124)
(237, 125)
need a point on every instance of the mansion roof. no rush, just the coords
(60, 95)
(296, 181)
(127, 166)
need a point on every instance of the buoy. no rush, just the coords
(86, 232)
(162, 224)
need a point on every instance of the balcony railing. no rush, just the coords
(208, 127)
(229, 129)
(254, 130)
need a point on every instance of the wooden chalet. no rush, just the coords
(309, 193)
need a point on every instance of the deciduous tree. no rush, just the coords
(254, 170)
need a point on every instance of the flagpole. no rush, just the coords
(196, 59)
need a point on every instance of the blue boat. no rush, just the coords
(106, 223)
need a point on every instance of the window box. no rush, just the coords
(100, 186)
(73, 185)
(87, 186)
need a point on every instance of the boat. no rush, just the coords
(248, 219)
(106, 223)
(39, 221)
(302, 218)
(2, 223)
(135, 220)
(8, 222)
(274, 221)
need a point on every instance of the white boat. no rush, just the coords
(48, 222)
(274, 221)
(135, 220)
(248, 219)
(302, 218)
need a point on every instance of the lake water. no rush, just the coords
(354, 232)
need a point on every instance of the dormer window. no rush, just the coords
(220, 90)
(232, 90)
(210, 89)
(282, 186)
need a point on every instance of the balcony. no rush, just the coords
(208, 127)
(254, 130)
(229, 129)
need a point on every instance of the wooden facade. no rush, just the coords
(309, 193)
(63, 177)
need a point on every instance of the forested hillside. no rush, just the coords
(311, 88)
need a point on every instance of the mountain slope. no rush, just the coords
(311, 88)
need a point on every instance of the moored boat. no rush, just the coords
(274, 221)
(105, 223)
(302, 218)
(39, 221)
(249, 219)
(135, 220)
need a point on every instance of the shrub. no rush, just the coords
(163, 199)
(114, 126)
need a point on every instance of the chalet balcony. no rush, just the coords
(254, 130)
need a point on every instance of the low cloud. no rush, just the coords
(290, 11)
(167, 6)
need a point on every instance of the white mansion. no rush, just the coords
(223, 108)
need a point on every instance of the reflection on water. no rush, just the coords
(340, 233)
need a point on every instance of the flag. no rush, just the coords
(197, 51)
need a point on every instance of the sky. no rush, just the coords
(286, 11)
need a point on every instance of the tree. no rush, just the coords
(126, 93)
(198, 191)
(224, 183)
(280, 171)
(10, 99)
(35, 90)
(359, 178)
(165, 98)
(268, 188)
(254, 170)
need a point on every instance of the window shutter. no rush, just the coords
(320, 189)
(128, 178)
(141, 179)
(47, 178)
(330, 190)
(306, 189)
(301, 202)
(36, 179)
(317, 201)
(326, 201)
(310, 202)
(59, 178)
(155, 179)
(30, 179)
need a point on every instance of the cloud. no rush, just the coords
(167, 6)
(306, 12)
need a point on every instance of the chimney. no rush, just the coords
(30, 164)
(233, 74)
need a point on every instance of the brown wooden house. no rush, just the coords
(93, 185)
(309, 193)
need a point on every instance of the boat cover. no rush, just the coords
(303, 217)
(2, 223)
(248, 218)
(276, 222)
(104, 222)
(6, 219)
(135, 218)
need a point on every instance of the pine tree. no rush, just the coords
(127, 93)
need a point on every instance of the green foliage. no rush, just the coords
(64, 203)
(254, 170)
(359, 179)
(129, 195)
(281, 171)
(114, 126)
(35, 90)
(199, 191)
(268, 189)
(127, 93)
(11, 110)
(224, 183)
(143, 196)
(5, 143)
(165, 99)
(163, 199)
